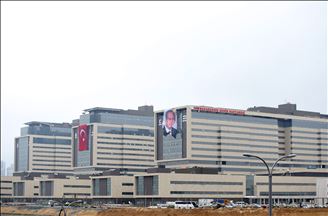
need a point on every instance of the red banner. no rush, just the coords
(219, 110)
(83, 138)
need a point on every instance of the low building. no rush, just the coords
(71, 187)
(6, 188)
(286, 189)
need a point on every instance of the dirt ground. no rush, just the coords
(212, 212)
(169, 212)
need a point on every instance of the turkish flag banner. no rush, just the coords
(83, 138)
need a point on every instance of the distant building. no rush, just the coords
(108, 138)
(10, 170)
(3, 168)
(44, 147)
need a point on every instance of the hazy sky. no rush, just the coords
(58, 58)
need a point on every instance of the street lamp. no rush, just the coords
(63, 208)
(270, 171)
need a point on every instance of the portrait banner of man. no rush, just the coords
(170, 123)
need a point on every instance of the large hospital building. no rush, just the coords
(217, 137)
(182, 153)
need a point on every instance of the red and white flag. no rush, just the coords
(83, 137)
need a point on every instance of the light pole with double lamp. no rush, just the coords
(270, 171)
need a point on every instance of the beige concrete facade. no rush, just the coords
(174, 185)
(6, 186)
(45, 157)
(25, 188)
(286, 187)
(134, 152)
(44, 147)
(71, 187)
(116, 187)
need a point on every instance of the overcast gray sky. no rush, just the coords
(59, 58)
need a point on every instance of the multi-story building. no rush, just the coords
(217, 138)
(3, 168)
(10, 170)
(44, 147)
(109, 138)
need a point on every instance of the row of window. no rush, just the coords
(77, 186)
(206, 183)
(77, 194)
(122, 149)
(231, 150)
(54, 161)
(125, 131)
(51, 156)
(234, 118)
(125, 159)
(233, 138)
(235, 132)
(309, 132)
(310, 138)
(127, 144)
(123, 154)
(51, 141)
(53, 152)
(232, 144)
(208, 192)
(275, 130)
(287, 184)
(289, 193)
(120, 165)
(52, 165)
(46, 147)
(124, 138)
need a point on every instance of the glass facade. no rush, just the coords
(125, 131)
(46, 129)
(19, 188)
(101, 187)
(46, 188)
(116, 118)
(234, 118)
(147, 185)
(51, 141)
(22, 149)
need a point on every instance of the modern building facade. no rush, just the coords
(6, 187)
(185, 153)
(113, 188)
(217, 138)
(108, 138)
(44, 147)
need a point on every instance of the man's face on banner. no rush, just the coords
(170, 119)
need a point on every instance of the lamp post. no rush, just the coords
(63, 208)
(270, 171)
